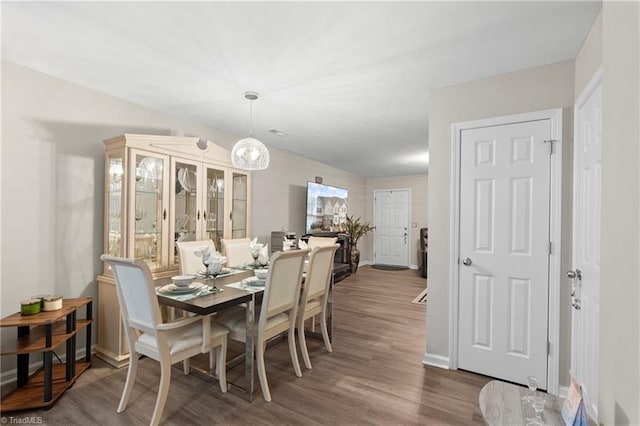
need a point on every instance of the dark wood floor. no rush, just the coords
(374, 376)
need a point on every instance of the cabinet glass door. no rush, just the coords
(150, 209)
(214, 206)
(115, 184)
(240, 205)
(186, 205)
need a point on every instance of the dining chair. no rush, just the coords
(190, 263)
(321, 241)
(237, 251)
(278, 311)
(315, 295)
(148, 335)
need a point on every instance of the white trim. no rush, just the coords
(563, 392)
(409, 228)
(434, 360)
(555, 233)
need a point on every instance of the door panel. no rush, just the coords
(585, 315)
(504, 242)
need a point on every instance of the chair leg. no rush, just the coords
(128, 385)
(303, 345)
(163, 391)
(186, 366)
(293, 353)
(260, 347)
(221, 367)
(212, 361)
(325, 332)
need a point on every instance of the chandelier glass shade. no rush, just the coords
(249, 153)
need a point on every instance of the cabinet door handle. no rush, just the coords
(204, 215)
(231, 215)
(164, 214)
(198, 215)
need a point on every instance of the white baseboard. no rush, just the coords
(563, 391)
(11, 376)
(436, 361)
(413, 267)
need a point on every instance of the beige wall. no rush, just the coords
(419, 195)
(619, 401)
(280, 193)
(534, 89)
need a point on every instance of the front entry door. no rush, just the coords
(391, 235)
(585, 312)
(504, 250)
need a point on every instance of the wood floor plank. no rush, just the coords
(374, 376)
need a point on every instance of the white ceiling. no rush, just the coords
(348, 82)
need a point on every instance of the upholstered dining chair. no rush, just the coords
(321, 241)
(190, 263)
(237, 251)
(315, 295)
(147, 335)
(277, 313)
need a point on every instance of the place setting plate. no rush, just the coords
(174, 289)
(254, 282)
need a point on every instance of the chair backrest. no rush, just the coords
(321, 241)
(190, 263)
(237, 251)
(136, 294)
(319, 272)
(282, 289)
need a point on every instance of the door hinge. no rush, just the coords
(550, 249)
(548, 347)
(550, 142)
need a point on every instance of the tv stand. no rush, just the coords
(342, 258)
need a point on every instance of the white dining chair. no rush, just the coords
(315, 295)
(190, 263)
(321, 241)
(148, 335)
(277, 313)
(237, 251)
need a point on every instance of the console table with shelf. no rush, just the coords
(44, 332)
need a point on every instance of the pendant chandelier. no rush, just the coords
(249, 153)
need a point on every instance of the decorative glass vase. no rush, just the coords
(355, 258)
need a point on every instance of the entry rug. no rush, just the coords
(422, 298)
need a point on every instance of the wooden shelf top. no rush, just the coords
(35, 341)
(43, 318)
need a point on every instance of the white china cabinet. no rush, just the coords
(159, 190)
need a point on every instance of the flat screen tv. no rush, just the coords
(326, 207)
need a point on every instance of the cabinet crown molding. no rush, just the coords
(182, 146)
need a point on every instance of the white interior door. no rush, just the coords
(585, 312)
(504, 250)
(391, 236)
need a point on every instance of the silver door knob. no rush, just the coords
(574, 274)
(466, 261)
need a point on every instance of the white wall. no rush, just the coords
(52, 179)
(545, 87)
(619, 401)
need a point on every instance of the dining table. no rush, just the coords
(232, 293)
(229, 294)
